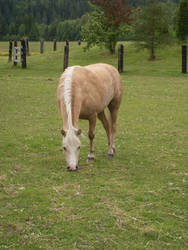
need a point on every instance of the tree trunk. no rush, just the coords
(111, 47)
(152, 56)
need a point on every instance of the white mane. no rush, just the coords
(67, 93)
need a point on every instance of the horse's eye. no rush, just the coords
(64, 148)
(78, 148)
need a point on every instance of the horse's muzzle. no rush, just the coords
(72, 168)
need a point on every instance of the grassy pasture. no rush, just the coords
(137, 200)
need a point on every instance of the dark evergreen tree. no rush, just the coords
(151, 25)
(182, 21)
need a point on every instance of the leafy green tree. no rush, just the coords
(3, 26)
(104, 25)
(69, 30)
(52, 31)
(151, 24)
(45, 33)
(95, 31)
(182, 21)
(22, 30)
(34, 33)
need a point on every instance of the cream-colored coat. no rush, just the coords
(92, 89)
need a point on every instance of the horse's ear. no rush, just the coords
(78, 132)
(63, 132)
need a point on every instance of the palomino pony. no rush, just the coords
(84, 92)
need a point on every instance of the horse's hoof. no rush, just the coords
(109, 156)
(90, 159)
(72, 169)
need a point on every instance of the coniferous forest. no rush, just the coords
(44, 19)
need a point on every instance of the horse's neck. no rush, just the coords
(72, 123)
(68, 96)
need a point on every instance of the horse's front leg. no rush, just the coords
(91, 135)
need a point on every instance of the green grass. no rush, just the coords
(138, 200)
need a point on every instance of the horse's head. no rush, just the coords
(71, 146)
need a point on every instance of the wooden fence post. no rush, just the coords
(184, 59)
(42, 46)
(27, 46)
(67, 42)
(10, 51)
(66, 56)
(120, 58)
(55, 45)
(15, 51)
(23, 54)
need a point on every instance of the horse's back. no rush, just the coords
(106, 73)
(99, 77)
(95, 86)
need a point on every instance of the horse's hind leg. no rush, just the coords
(113, 107)
(107, 128)
(91, 135)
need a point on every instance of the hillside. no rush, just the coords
(20, 18)
(46, 11)
(43, 11)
